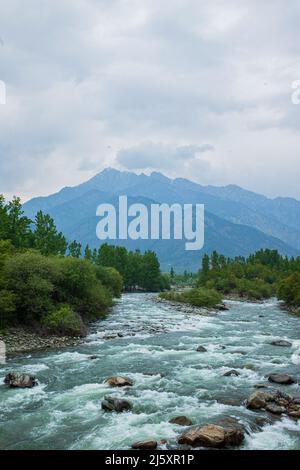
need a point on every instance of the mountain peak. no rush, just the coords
(159, 176)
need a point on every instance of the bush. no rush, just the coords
(111, 279)
(81, 289)
(289, 290)
(198, 297)
(64, 321)
(32, 278)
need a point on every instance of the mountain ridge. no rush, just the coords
(233, 214)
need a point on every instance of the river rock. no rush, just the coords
(145, 445)
(92, 358)
(16, 380)
(283, 379)
(258, 400)
(206, 436)
(222, 307)
(119, 381)
(115, 404)
(181, 421)
(212, 435)
(282, 343)
(231, 373)
(275, 409)
(234, 431)
(201, 349)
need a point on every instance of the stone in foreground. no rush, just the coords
(15, 380)
(181, 421)
(201, 349)
(116, 404)
(119, 381)
(283, 379)
(212, 435)
(145, 445)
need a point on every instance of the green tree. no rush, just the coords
(74, 249)
(47, 239)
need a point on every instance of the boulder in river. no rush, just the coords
(119, 381)
(206, 436)
(116, 404)
(231, 373)
(145, 445)
(258, 400)
(282, 343)
(16, 380)
(201, 349)
(234, 431)
(282, 379)
(92, 358)
(275, 409)
(181, 421)
(222, 307)
(212, 435)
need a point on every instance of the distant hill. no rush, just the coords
(237, 222)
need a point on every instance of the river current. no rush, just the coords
(155, 345)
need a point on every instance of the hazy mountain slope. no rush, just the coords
(230, 223)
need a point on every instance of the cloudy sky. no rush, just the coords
(200, 89)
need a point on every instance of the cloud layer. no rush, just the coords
(148, 84)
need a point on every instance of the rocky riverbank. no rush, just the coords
(20, 340)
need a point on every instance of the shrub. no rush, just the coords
(64, 321)
(199, 297)
(111, 279)
(31, 277)
(289, 290)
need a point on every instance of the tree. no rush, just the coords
(46, 237)
(75, 249)
(14, 225)
(88, 254)
(205, 269)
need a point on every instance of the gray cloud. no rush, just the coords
(156, 155)
(90, 81)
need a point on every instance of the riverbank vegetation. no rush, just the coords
(260, 276)
(197, 297)
(49, 284)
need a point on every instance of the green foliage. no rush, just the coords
(255, 277)
(14, 225)
(111, 279)
(32, 277)
(137, 270)
(64, 321)
(198, 297)
(74, 249)
(46, 237)
(289, 290)
(79, 287)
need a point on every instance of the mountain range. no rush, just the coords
(237, 221)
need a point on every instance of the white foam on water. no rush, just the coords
(274, 437)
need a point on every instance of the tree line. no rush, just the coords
(263, 274)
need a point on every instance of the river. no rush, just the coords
(158, 351)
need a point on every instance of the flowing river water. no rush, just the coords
(156, 347)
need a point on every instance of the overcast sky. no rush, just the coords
(192, 88)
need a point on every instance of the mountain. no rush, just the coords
(237, 222)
